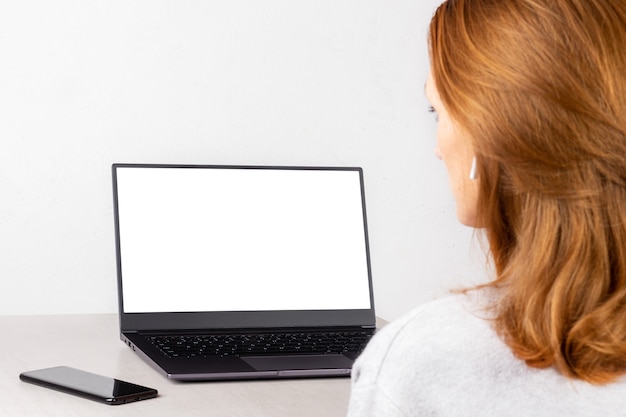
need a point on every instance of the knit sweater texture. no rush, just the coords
(445, 359)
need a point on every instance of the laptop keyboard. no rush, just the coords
(261, 344)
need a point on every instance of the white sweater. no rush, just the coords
(443, 359)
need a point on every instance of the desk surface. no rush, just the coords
(91, 343)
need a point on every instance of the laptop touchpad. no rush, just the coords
(275, 363)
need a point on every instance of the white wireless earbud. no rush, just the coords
(472, 174)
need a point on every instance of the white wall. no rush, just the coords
(87, 83)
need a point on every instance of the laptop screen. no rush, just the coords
(225, 238)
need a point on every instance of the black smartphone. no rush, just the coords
(87, 385)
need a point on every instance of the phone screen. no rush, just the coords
(88, 385)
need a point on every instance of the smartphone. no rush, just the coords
(87, 385)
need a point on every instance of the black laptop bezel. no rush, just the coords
(193, 321)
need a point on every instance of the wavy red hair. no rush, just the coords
(540, 86)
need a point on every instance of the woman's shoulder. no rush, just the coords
(451, 327)
(430, 338)
(445, 355)
(453, 315)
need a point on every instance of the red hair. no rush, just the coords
(540, 86)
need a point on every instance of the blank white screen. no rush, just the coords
(234, 239)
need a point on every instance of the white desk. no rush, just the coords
(91, 343)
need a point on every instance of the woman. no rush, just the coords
(531, 104)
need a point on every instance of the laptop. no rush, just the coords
(243, 272)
